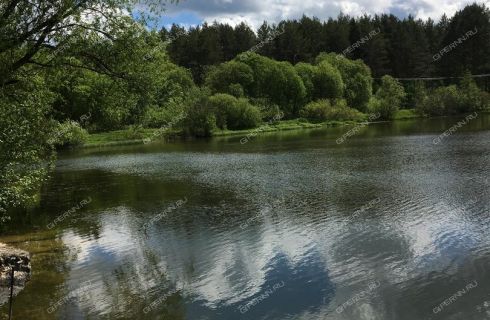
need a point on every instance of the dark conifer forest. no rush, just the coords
(402, 48)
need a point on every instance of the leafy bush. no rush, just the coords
(268, 110)
(388, 98)
(416, 92)
(69, 134)
(249, 116)
(222, 105)
(441, 101)
(232, 113)
(201, 123)
(156, 117)
(375, 106)
(317, 110)
(340, 111)
(471, 97)
(322, 110)
(200, 120)
(466, 97)
(485, 98)
(134, 132)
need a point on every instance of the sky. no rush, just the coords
(254, 12)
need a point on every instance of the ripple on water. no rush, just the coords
(294, 210)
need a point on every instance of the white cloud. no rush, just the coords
(254, 12)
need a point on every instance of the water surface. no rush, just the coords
(292, 225)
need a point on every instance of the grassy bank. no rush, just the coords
(128, 136)
(284, 125)
(125, 137)
(406, 114)
(119, 137)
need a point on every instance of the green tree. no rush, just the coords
(388, 98)
(225, 77)
(37, 36)
(149, 90)
(468, 33)
(328, 82)
(441, 101)
(276, 81)
(25, 153)
(356, 77)
(416, 92)
(471, 97)
(232, 113)
(399, 47)
(307, 74)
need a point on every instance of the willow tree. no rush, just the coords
(35, 37)
(356, 77)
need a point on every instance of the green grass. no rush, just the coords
(127, 137)
(406, 114)
(118, 137)
(278, 126)
(281, 126)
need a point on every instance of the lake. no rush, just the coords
(386, 224)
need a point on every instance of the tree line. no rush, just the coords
(402, 48)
